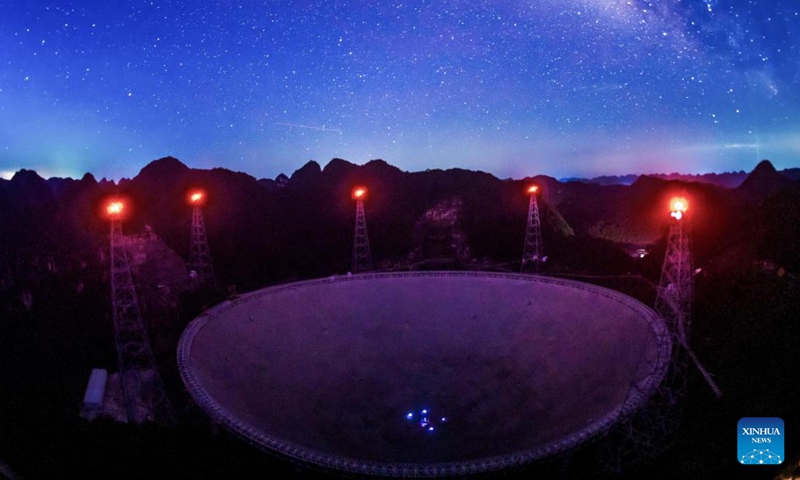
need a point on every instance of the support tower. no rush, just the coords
(362, 259)
(142, 388)
(532, 253)
(675, 290)
(674, 300)
(199, 253)
(650, 431)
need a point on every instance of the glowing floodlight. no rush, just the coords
(678, 207)
(114, 209)
(359, 193)
(533, 189)
(197, 197)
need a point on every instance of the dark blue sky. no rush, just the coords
(515, 88)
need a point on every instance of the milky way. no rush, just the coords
(515, 88)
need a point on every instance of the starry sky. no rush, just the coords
(514, 88)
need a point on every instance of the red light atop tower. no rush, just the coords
(114, 209)
(359, 193)
(678, 207)
(533, 189)
(196, 197)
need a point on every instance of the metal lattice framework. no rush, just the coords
(200, 255)
(362, 258)
(140, 381)
(675, 290)
(532, 253)
(642, 387)
(674, 299)
(650, 431)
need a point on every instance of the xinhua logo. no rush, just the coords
(760, 441)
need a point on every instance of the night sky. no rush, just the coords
(515, 88)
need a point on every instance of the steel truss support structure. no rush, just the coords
(532, 253)
(140, 382)
(675, 290)
(362, 258)
(651, 430)
(199, 253)
(674, 301)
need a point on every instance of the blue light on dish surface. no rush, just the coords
(426, 421)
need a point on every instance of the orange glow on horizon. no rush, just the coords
(533, 189)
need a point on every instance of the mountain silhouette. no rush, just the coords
(763, 181)
(304, 229)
